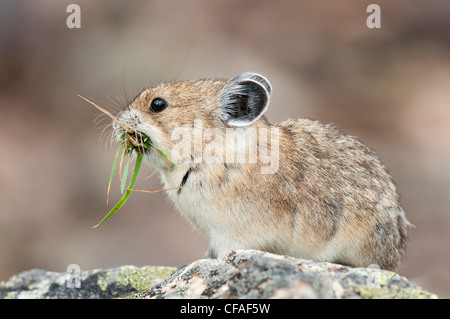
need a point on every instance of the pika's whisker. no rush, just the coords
(106, 112)
(103, 135)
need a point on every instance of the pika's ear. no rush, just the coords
(244, 99)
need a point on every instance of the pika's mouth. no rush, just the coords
(134, 141)
(141, 143)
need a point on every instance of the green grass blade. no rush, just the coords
(167, 157)
(112, 173)
(124, 177)
(162, 153)
(125, 196)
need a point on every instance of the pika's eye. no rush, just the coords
(158, 104)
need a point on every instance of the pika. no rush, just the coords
(329, 198)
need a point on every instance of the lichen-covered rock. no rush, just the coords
(109, 283)
(255, 274)
(241, 274)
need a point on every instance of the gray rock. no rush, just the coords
(93, 284)
(242, 274)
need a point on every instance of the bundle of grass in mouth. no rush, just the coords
(129, 141)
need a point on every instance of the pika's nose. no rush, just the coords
(129, 118)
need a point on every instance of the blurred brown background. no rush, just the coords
(389, 86)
